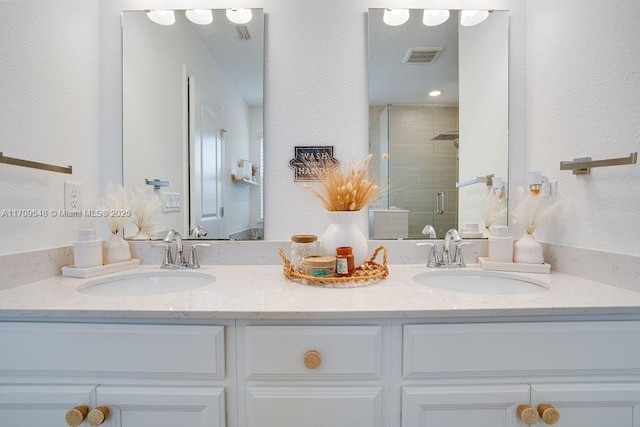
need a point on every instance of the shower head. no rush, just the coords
(449, 136)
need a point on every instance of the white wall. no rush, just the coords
(484, 111)
(153, 58)
(582, 100)
(49, 114)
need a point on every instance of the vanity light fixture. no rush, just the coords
(469, 18)
(199, 16)
(395, 17)
(436, 92)
(162, 17)
(239, 16)
(433, 17)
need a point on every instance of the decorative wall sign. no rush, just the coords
(313, 163)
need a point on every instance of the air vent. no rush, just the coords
(422, 55)
(243, 33)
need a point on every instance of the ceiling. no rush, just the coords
(241, 60)
(393, 82)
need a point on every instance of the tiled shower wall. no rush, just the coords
(419, 168)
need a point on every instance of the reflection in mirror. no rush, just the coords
(430, 150)
(193, 117)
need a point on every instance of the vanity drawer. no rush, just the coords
(520, 348)
(303, 352)
(186, 351)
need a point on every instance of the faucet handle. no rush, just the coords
(432, 256)
(459, 258)
(193, 255)
(167, 259)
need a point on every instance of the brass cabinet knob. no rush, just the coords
(312, 359)
(527, 414)
(75, 416)
(548, 413)
(98, 415)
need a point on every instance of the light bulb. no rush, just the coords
(432, 17)
(436, 92)
(239, 16)
(162, 17)
(199, 16)
(395, 17)
(469, 18)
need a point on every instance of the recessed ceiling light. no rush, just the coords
(395, 17)
(435, 93)
(162, 17)
(469, 18)
(239, 16)
(200, 16)
(432, 18)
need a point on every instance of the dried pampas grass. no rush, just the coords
(116, 203)
(495, 209)
(145, 206)
(347, 190)
(532, 210)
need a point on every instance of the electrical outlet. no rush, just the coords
(72, 195)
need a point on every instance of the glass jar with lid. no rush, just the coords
(302, 245)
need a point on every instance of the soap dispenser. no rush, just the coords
(500, 244)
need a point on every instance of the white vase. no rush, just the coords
(115, 249)
(344, 230)
(528, 250)
(140, 235)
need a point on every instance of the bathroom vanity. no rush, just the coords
(272, 352)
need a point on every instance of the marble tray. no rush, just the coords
(71, 271)
(517, 267)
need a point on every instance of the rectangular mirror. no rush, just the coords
(434, 153)
(193, 118)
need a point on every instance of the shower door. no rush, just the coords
(423, 165)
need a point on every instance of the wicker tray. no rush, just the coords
(368, 273)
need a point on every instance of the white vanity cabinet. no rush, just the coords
(355, 373)
(146, 375)
(318, 375)
(479, 374)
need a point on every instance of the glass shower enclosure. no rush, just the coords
(415, 155)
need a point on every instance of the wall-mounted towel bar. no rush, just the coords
(583, 165)
(157, 184)
(479, 180)
(34, 165)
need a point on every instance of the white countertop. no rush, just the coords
(262, 292)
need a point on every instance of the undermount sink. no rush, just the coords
(480, 282)
(146, 283)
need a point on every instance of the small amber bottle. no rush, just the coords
(344, 261)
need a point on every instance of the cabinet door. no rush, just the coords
(40, 405)
(163, 406)
(591, 405)
(463, 406)
(313, 407)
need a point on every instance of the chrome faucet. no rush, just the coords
(429, 231)
(452, 234)
(179, 258)
(180, 262)
(199, 232)
(452, 243)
